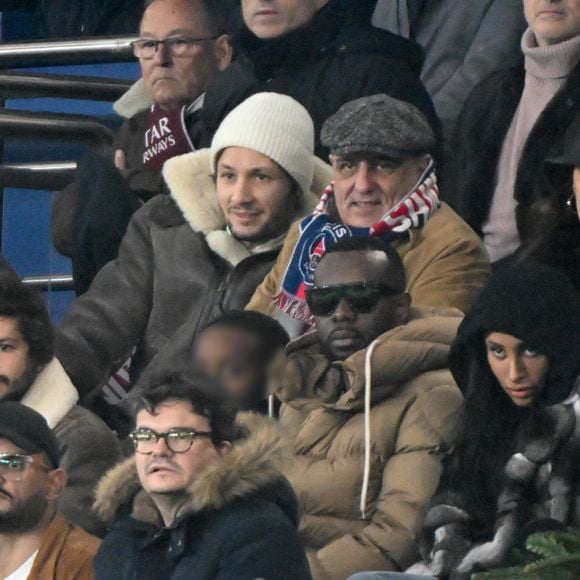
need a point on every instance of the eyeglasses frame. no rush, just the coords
(165, 42)
(192, 432)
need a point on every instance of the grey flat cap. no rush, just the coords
(378, 124)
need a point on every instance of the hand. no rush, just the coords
(484, 556)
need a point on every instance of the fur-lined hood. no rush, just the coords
(192, 188)
(253, 464)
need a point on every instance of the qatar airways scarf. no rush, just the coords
(318, 233)
(166, 136)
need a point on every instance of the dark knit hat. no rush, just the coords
(378, 124)
(28, 430)
(533, 302)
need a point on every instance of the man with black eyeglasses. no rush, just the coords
(182, 45)
(371, 410)
(203, 497)
(36, 541)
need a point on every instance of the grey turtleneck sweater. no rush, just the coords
(547, 69)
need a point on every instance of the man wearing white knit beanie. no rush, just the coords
(204, 248)
(512, 122)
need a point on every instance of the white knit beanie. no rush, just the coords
(276, 126)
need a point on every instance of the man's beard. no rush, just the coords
(24, 515)
(269, 231)
(17, 388)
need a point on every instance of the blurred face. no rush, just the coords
(13, 357)
(25, 502)
(177, 80)
(273, 18)
(367, 186)
(234, 358)
(553, 21)
(520, 370)
(577, 189)
(166, 472)
(346, 331)
(255, 195)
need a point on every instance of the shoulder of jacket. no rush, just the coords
(358, 38)
(161, 211)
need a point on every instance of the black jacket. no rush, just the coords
(323, 65)
(481, 131)
(240, 522)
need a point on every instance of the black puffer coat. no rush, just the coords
(240, 521)
(323, 65)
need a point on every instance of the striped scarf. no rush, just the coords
(318, 233)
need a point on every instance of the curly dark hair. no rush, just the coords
(27, 308)
(206, 397)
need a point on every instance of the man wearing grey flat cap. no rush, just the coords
(385, 185)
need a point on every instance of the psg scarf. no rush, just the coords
(318, 233)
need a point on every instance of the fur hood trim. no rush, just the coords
(52, 394)
(254, 462)
(191, 185)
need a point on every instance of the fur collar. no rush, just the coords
(52, 394)
(135, 100)
(253, 463)
(191, 186)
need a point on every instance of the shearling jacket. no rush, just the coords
(350, 525)
(177, 264)
(87, 446)
(445, 264)
(239, 522)
(66, 553)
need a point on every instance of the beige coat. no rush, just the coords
(414, 416)
(445, 262)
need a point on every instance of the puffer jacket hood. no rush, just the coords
(534, 303)
(252, 466)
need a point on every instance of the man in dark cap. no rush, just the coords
(35, 540)
(385, 185)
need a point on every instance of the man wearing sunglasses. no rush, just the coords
(182, 44)
(203, 497)
(372, 411)
(35, 540)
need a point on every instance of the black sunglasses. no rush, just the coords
(361, 298)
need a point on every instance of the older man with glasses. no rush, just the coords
(203, 497)
(182, 45)
(35, 540)
(370, 409)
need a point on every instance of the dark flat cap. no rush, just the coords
(378, 124)
(28, 430)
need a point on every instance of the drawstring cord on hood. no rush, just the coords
(271, 406)
(367, 468)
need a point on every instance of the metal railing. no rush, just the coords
(15, 85)
(51, 176)
(79, 128)
(64, 52)
(50, 282)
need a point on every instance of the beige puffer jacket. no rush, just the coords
(349, 524)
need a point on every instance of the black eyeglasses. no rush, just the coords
(180, 46)
(362, 297)
(177, 440)
(14, 465)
